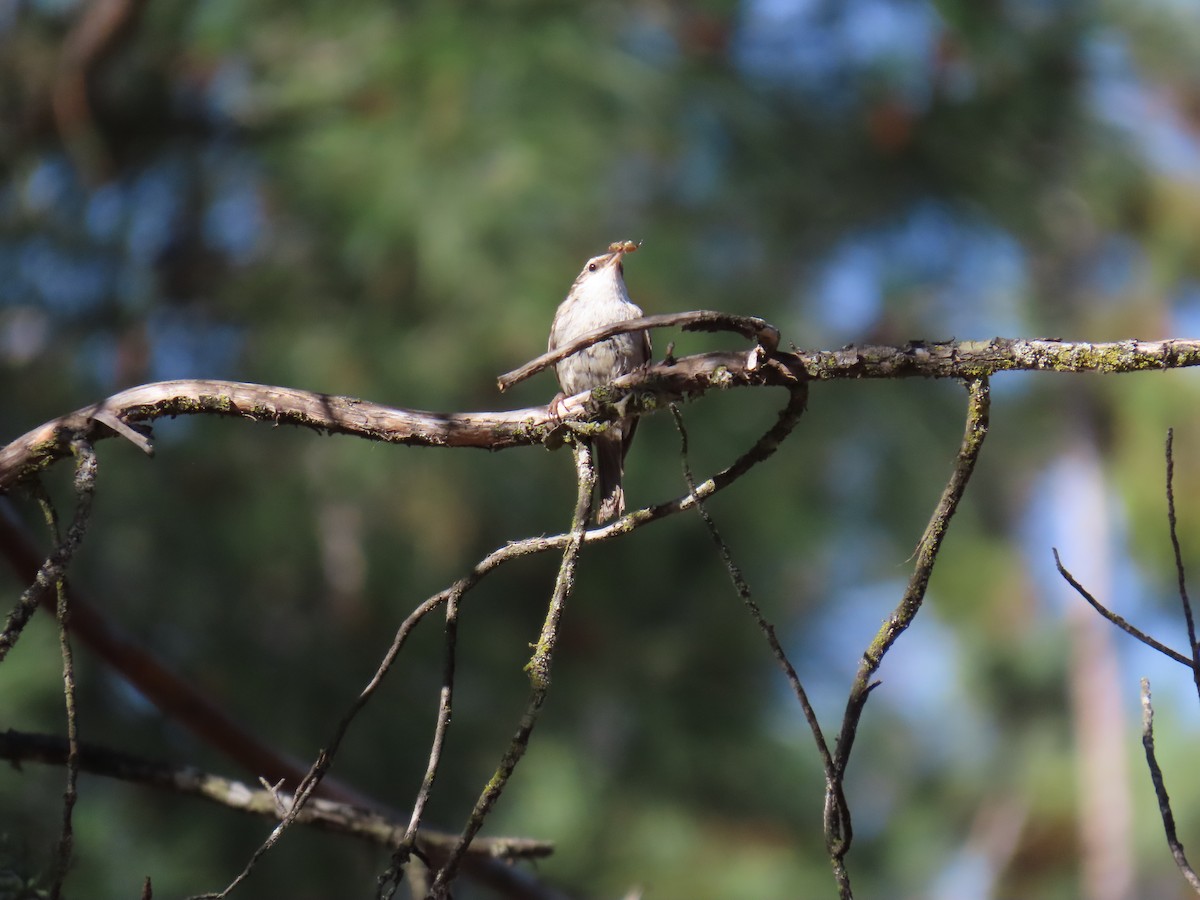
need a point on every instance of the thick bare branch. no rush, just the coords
(972, 359)
(642, 391)
(689, 377)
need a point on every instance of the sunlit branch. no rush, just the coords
(838, 829)
(641, 392)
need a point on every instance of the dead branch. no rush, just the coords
(646, 389)
(743, 591)
(1192, 662)
(642, 391)
(538, 669)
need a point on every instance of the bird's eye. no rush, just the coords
(591, 267)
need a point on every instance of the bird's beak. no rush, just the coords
(618, 249)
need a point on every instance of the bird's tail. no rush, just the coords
(610, 465)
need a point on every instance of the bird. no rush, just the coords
(598, 298)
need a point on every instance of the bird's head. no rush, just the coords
(606, 272)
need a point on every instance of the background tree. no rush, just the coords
(390, 203)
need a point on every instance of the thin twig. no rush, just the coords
(1121, 623)
(55, 565)
(743, 591)
(175, 696)
(538, 669)
(85, 488)
(760, 330)
(838, 829)
(1180, 575)
(49, 577)
(1160, 790)
(390, 880)
(445, 710)
(325, 757)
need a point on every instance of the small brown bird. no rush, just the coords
(598, 298)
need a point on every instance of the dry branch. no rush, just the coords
(647, 389)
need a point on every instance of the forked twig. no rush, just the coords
(50, 577)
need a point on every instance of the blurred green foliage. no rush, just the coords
(389, 200)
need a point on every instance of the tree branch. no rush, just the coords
(642, 391)
(838, 830)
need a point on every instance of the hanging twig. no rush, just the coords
(52, 570)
